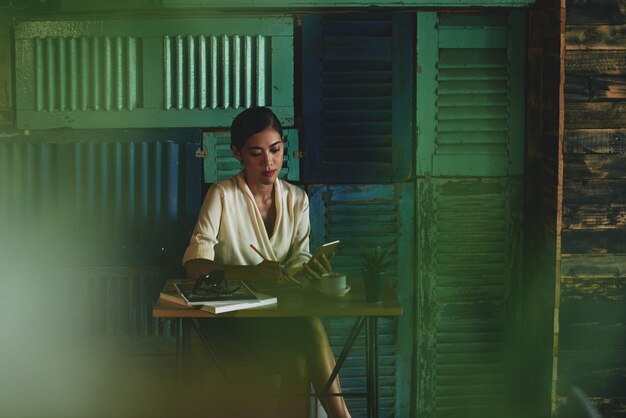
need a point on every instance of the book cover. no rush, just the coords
(229, 306)
(174, 296)
(237, 291)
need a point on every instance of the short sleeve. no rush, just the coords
(204, 236)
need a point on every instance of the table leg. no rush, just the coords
(208, 344)
(371, 358)
(356, 328)
(182, 347)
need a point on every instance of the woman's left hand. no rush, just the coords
(317, 266)
(268, 272)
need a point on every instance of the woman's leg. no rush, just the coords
(275, 346)
(321, 361)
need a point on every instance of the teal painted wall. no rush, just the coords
(453, 227)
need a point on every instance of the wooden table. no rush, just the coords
(305, 301)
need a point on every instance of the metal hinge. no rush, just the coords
(200, 153)
(298, 154)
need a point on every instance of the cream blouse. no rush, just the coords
(229, 221)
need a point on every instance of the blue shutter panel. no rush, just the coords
(134, 73)
(357, 72)
(361, 217)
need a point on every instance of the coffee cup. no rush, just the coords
(333, 282)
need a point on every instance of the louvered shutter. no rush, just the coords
(357, 72)
(220, 164)
(469, 271)
(469, 93)
(362, 217)
(152, 72)
(469, 210)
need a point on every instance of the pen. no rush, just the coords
(256, 250)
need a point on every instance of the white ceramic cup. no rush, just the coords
(333, 282)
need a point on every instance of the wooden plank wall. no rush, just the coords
(541, 210)
(5, 72)
(592, 342)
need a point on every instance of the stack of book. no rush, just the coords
(241, 297)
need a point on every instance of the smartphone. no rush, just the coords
(327, 249)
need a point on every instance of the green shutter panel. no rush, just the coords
(152, 72)
(357, 88)
(469, 271)
(469, 230)
(469, 93)
(361, 217)
(220, 164)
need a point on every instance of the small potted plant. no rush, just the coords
(375, 265)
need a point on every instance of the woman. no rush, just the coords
(255, 207)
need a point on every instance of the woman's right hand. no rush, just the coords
(267, 272)
(315, 267)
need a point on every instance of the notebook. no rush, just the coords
(219, 307)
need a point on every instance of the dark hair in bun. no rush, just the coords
(252, 121)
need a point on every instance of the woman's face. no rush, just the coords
(262, 157)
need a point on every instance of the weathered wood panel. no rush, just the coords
(595, 115)
(594, 166)
(606, 241)
(595, 11)
(601, 312)
(595, 37)
(592, 333)
(590, 337)
(602, 192)
(600, 373)
(593, 267)
(595, 62)
(595, 141)
(612, 289)
(595, 88)
(593, 216)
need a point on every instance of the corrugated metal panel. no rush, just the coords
(217, 71)
(75, 196)
(357, 72)
(469, 270)
(152, 72)
(471, 117)
(91, 300)
(86, 73)
(362, 217)
(220, 163)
